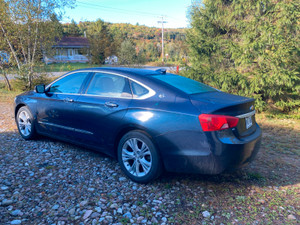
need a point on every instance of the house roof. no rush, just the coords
(79, 42)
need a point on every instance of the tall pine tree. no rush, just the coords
(248, 47)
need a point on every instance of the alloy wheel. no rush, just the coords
(24, 123)
(136, 157)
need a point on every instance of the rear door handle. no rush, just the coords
(111, 104)
(68, 100)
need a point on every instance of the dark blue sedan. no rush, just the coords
(148, 120)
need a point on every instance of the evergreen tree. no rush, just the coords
(127, 54)
(248, 47)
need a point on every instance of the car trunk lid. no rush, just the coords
(227, 104)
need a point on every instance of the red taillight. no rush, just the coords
(211, 122)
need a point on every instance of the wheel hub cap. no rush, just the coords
(24, 123)
(136, 157)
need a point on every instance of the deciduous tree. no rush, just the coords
(27, 29)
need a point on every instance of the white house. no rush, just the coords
(111, 60)
(70, 49)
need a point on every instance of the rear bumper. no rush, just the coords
(220, 152)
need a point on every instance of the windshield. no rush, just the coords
(184, 84)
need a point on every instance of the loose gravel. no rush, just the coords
(51, 182)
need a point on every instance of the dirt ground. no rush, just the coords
(90, 188)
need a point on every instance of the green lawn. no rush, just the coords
(62, 67)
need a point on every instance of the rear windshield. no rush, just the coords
(184, 84)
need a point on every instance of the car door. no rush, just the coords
(55, 111)
(100, 109)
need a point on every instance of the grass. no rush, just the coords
(57, 67)
(63, 67)
(8, 96)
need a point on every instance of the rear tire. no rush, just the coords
(25, 123)
(138, 157)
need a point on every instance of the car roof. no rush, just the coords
(135, 71)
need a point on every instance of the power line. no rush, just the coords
(122, 10)
(119, 11)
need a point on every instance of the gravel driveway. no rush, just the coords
(51, 182)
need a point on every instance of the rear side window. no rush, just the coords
(184, 84)
(70, 84)
(138, 90)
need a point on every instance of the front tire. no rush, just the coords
(138, 157)
(25, 123)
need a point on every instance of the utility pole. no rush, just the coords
(162, 36)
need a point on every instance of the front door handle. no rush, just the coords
(68, 100)
(111, 104)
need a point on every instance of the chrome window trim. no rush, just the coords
(143, 97)
(65, 127)
(246, 114)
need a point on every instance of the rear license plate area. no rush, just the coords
(248, 121)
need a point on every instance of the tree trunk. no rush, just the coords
(10, 46)
(6, 81)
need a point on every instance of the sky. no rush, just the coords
(143, 12)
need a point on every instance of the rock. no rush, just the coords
(120, 210)
(16, 212)
(127, 215)
(122, 179)
(205, 214)
(157, 214)
(114, 206)
(16, 222)
(291, 217)
(95, 215)
(83, 203)
(72, 211)
(261, 201)
(164, 219)
(98, 209)
(139, 219)
(31, 173)
(157, 201)
(3, 188)
(109, 218)
(91, 189)
(87, 214)
(6, 202)
(154, 220)
(55, 207)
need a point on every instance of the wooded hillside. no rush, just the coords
(146, 40)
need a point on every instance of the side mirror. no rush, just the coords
(40, 88)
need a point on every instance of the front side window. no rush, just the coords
(108, 85)
(70, 84)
